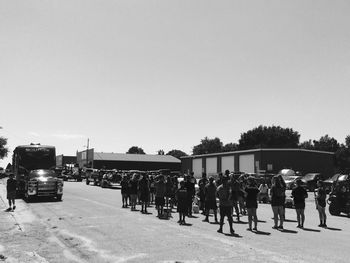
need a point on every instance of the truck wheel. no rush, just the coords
(334, 209)
(59, 198)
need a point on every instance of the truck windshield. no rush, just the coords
(37, 158)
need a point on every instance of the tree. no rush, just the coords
(347, 141)
(135, 150)
(309, 145)
(342, 157)
(269, 137)
(208, 146)
(160, 152)
(230, 147)
(327, 144)
(177, 153)
(3, 149)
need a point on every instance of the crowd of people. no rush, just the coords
(230, 195)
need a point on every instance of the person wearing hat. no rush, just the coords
(299, 195)
(11, 192)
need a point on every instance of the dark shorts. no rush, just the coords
(299, 205)
(210, 204)
(159, 201)
(182, 207)
(226, 211)
(144, 197)
(11, 195)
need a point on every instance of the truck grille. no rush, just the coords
(46, 188)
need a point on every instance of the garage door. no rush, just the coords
(197, 167)
(246, 163)
(227, 163)
(212, 166)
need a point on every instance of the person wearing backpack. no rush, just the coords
(277, 202)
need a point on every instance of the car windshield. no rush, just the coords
(309, 176)
(288, 177)
(342, 177)
(333, 178)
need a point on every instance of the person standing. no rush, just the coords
(160, 194)
(124, 191)
(235, 194)
(190, 186)
(225, 204)
(181, 196)
(201, 184)
(277, 201)
(321, 203)
(144, 192)
(299, 195)
(11, 192)
(133, 185)
(252, 192)
(210, 200)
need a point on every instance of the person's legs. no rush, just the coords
(320, 215)
(235, 204)
(280, 210)
(229, 219)
(250, 218)
(275, 216)
(297, 210)
(255, 219)
(302, 217)
(222, 215)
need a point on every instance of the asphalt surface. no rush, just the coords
(89, 225)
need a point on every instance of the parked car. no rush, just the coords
(290, 180)
(328, 183)
(310, 180)
(339, 198)
(110, 179)
(92, 175)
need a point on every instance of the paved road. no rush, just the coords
(89, 225)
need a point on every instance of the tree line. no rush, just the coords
(268, 137)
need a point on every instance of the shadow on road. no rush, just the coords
(288, 231)
(233, 235)
(258, 232)
(240, 222)
(214, 223)
(334, 229)
(261, 221)
(310, 229)
(289, 220)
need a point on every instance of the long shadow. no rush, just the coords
(258, 232)
(289, 220)
(214, 223)
(233, 235)
(186, 224)
(192, 216)
(310, 229)
(240, 222)
(288, 231)
(333, 229)
(261, 221)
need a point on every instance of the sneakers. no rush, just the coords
(275, 227)
(8, 209)
(14, 207)
(219, 230)
(255, 229)
(280, 227)
(232, 231)
(205, 220)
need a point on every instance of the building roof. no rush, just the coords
(135, 157)
(255, 150)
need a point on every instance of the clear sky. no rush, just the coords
(165, 74)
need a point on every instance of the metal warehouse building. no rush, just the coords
(122, 161)
(255, 160)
